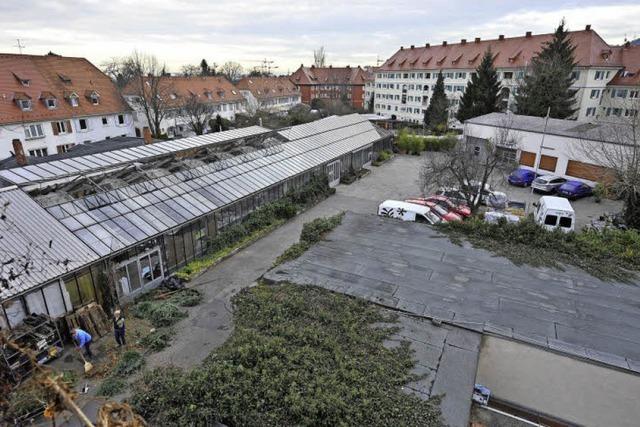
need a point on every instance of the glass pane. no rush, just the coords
(156, 265)
(122, 280)
(86, 287)
(15, 312)
(170, 250)
(188, 244)
(35, 303)
(134, 275)
(54, 300)
(179, 241)
(72, 287)
(145, 270)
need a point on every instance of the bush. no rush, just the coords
(297, 356)
(611, 254)
(111, 386)
(292, 252)
(312, 232)
(158, 339)
(186, 297)
(28, 399)
(159, 313)
(130, 362)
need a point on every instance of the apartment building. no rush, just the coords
(49, 103)
(269, 93)
(404, 83)
(225, 98)
(332, 83)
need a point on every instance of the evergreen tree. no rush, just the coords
(481, 94)
(437, 113)
(204, 68)
(548, 82)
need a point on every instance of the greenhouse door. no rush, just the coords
(139, 272)
(333, 173)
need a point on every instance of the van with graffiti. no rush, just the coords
(407, 212)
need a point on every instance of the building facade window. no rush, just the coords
(595, 93)
(120, 119)
(38, 152)
(82, 123)
(33, 131)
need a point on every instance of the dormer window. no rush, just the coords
(173, 96)
(24, 104)
(50, 103)
(208, 94)
(95, 99)
(73, 98)
(23, 80)
(49, 100)
(65, 79)
(93, 96)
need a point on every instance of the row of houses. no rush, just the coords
(606, 77)
(136, 214)
(52, 103)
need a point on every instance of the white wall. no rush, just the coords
(96, 132)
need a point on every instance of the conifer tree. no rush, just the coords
(437, 113)
(548, 82)
(481, 94)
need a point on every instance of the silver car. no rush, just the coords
(547, 183)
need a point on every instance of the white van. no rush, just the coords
(555, 212)
(407, 212)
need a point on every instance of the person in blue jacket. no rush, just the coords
(83, 341)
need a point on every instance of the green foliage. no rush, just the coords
(111, 386)
(609, 255)
(548, 84)
(29, 398)
(130, 362)
(383, 156)
(158, 339)
(437, 115)
(297, 356)
(481, 94)
(219, 124)
(414, 144)
(312, 232)
(186, 297)
(159, 313)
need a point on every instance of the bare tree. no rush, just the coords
(197, 114)
(151, 90)
(319, 57)
(232, 71)
(121, 70)
(190, 70)
(471, 164)
(615, 146)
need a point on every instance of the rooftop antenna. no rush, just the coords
(19, 45)
(378, 61)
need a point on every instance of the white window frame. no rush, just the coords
(25, 104)
(73, 100)
(62, 127)
(39, 152)
(86, 122)
(29, 131)
(53, 100)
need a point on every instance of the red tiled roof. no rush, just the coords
(630, 75)
(329, 75)
(43, 75)
(214, 89)
(268, 87)
(512, 52)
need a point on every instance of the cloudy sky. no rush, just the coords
(352, 31)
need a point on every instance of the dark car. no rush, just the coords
(574, 190)
(521, 177)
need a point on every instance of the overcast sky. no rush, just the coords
(353, 32)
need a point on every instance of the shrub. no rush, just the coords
(292, 252)
(159, 313)
(29, 398)
(129, 363)
(312, 232)
(609, 255)
(158, 339)
(297, 356)
(186, 297)
(111, 386)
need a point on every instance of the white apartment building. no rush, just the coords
(275, 94)
(225, 98)
(50, 103)
(404, 83)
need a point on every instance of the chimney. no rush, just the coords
(412, 46)
(588, 27)
(527, 34)
(330, 66)
(348, 66)
(501, 37)
(463, 41)
(21, 159)
(444, 43)
(427, 45)
(146, 134)
(477, 40)
(401, 47)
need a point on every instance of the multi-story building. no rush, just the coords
(269, 93)
(404, 83)
(50, 103)
(224, 97)
(345, 84)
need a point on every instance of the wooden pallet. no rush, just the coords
(90, 318)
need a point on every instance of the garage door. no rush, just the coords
(587, 171)
(527, 158)
(548, 163)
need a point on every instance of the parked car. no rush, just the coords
(461, 209)
(407, 212)
(495, 216)
(445, 214)
(555, 213)
(521, 177)
(488, 197)
(547, 183)
(574, 190)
